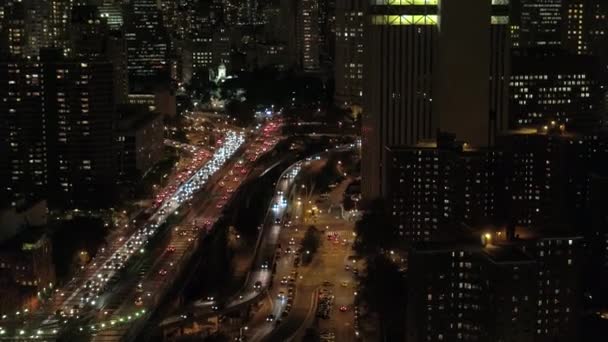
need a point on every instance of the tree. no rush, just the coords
(243, 112)
(374, 230)
(384, 289)
(310, 244)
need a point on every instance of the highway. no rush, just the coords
(276, 228)
(296, 295)
(86, 296)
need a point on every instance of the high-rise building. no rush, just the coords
(469, 292)
(307, 32)
(516, 285)
(23, 130)
(560, 263)
(25, 27)
(60, 12)
(431, 67)
(539, 23)
(81, 114)
(400, 53)
(560, 87)
(462, 73)
(433, 187)
(112, 11)
(349, 45)
(578, 26)
(91, 37)
(548, 173)
(147, 42)
(57, 139)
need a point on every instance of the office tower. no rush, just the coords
(81, 114)
(26, 27)
(349, 55)
(327, 32)
(220, 47)
(399, 55)
(169, 15)
(16, 30)
(23, 145)
(538, 23)
(413, 89)
(461, 77)
(202, 52)
(112, 11)
(147, 43)
(248, 12)
(116, 53)
(562, 87)
(577, 26)
(288, 30)
(91, 37)
(60, 11)
(500, 68)
(435, 186)
(307, 33)
(58, 134)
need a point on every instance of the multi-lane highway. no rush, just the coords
(276, 227)
(90, 294)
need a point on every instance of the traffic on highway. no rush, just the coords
(86, 294)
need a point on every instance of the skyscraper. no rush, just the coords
(349, 55)
(147, 43)
(23, 142)
(398, 68)
(431, 66)
(461, 77)
(307, 31)
(81, 114)
(564, 88)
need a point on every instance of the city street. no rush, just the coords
(295, 290)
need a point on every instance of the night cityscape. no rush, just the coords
(304, 170)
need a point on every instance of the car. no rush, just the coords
(162, 272)
(327, 283)
(343, 308)
(347, 267)
(171, 249)
(270, 318)
(284, 280)
(140, 287)
(139, 301)
(281, 295)
(257, 285)
(277, 220)
(344, 284)
(265, 265)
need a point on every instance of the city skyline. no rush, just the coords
(303, 170)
